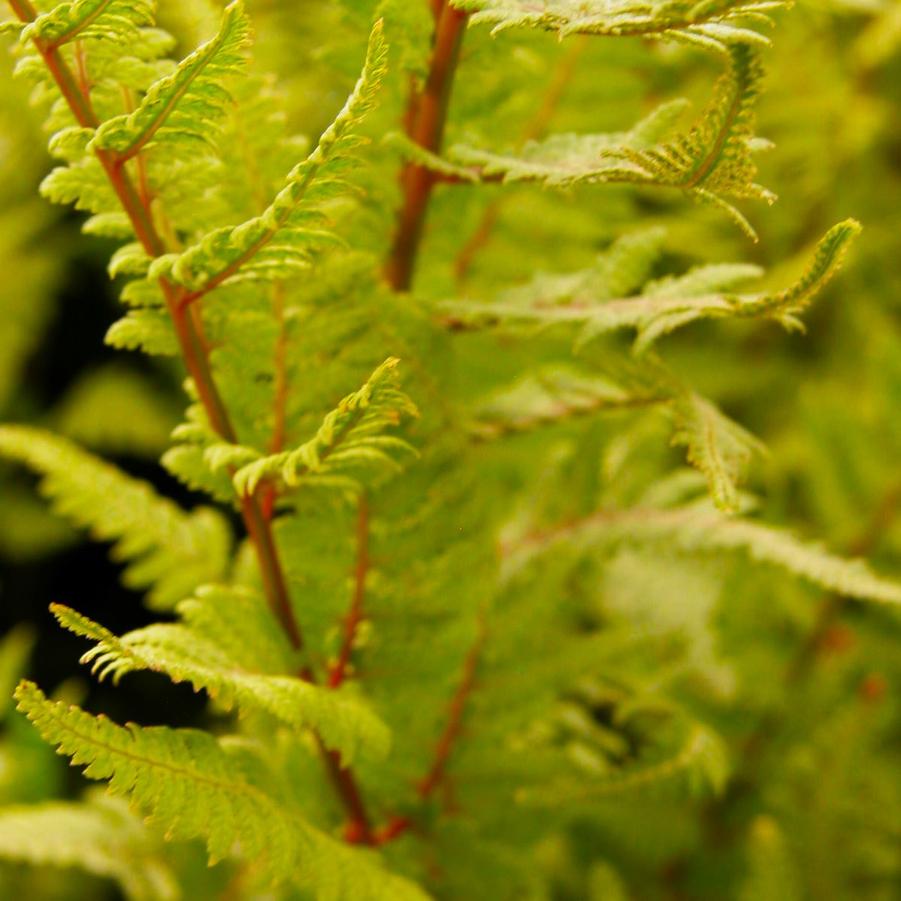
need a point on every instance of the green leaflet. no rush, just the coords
(697, 530)
(186, 654)
(102, 837)
(146, 330)
(109, 20)
(717, 446)
(197, 787)
(351, 444)
(188, 104)
(770, 871)
(664, 307)
(169, 551)
(785, 306)
(115, 410)
(277, 243)
(716, 23)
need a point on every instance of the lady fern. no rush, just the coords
(448, 500)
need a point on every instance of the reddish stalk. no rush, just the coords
(355, 616)
(427, 119)
(454, 726)
(195, 355)
(436, 776)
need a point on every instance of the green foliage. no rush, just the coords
(102, 837)
(666, 305)
(482, 632)
(712, 23)
(350, 442)
(185, 654)
(161, 768)
(186, 105)
(711, 161)
(273, 244)
(168, 550)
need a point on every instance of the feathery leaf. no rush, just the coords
(276, 243)
(102, 838)
(186, 654)
(169, 551)
(715, 23)
(108, 20)
(197, 787)
(351, 444)
(188, 104)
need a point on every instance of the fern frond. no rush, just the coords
(108, 20)
(701, 761)
(785, 306)
(715, 24)
(170, 552)
(564, 159)
(276, 244)
(664, 308)
(696, 529)
(197, 787)
(552, 396)
(187, 654)
(188, 104)
(720, 448)
(351, 442)
(712, 161)
(102, 838)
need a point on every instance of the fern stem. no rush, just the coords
(428, 115)
(456, 709)
(355, 615)
(260, 530)
(357, 830)
(436, 775)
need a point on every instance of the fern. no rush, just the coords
(159, 768)
(101, 838)
(350, 438)
(701, 760)
(693, 529)
(715, 445)
(273, 244)
(712, 161)
(186, 654)
(475, 631)
(110, 20)
(168, 550)
(711, 24)
(665, 306)
(186, 105)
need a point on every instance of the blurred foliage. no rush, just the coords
(764, 711)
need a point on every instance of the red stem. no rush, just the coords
(456, 709)
(355, 615)
(427, 119)
(453, 729)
